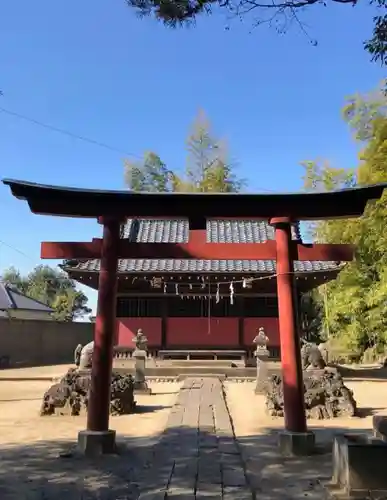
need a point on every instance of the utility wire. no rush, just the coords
(15, 249)
(79, 137)
(67, 132)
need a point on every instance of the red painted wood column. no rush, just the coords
(293, 385)
(104, 330)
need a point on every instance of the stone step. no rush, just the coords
(194, 371)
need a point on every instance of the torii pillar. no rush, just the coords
(296, 439)
(98, 438)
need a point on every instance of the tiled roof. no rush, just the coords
(10, 298)
(218, 231)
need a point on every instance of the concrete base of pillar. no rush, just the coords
(95, 443)
(296, 443)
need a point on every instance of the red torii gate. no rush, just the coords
(111, 208)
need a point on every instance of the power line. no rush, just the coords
(15, 249)
(67, 132)
(79, 137)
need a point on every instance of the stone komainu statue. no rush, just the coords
(311, 356)
(86, 356)
(77, 354)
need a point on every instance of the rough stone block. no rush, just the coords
(296, 443)
(359, 464)
(335, 400)
(95, 443)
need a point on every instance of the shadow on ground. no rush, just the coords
(53, 470)
(359, 373)
(149, 408)
(364, 412)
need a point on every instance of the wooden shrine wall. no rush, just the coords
(271, 326)
(127, 328)
(217, 332)
(196, 322)
(213, 332)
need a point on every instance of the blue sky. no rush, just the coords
(94, 68)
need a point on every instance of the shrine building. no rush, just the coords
(232, 284)
(191, 304)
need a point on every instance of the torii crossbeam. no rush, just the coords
(111, 208)
(196, 248)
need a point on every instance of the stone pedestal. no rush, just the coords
(261, 356)
(359, 465)
(96, 443)
(140, 385)
(379, 424)
(296, 443)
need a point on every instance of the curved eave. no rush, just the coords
(76, 271)
(306, 280)
(76, 202)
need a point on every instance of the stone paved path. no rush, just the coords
(197, 456)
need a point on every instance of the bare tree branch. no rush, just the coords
(278, 13)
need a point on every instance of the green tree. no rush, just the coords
(357, 300)
(13, 276)
(321, 176)
(151, 174)
(51, 287)
(208, 168)
(311, 317)
(280, 14)
(361, 111)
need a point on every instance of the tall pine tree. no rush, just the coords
(208, 169)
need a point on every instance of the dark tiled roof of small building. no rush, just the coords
(10, 298)
(218, 231)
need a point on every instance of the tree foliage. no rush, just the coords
(311, 317)
(280, 14)
(151, 174)
(357, 301)
(208, 168)
(361, 111)
(51, 287)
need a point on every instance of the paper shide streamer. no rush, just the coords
(231, 293)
